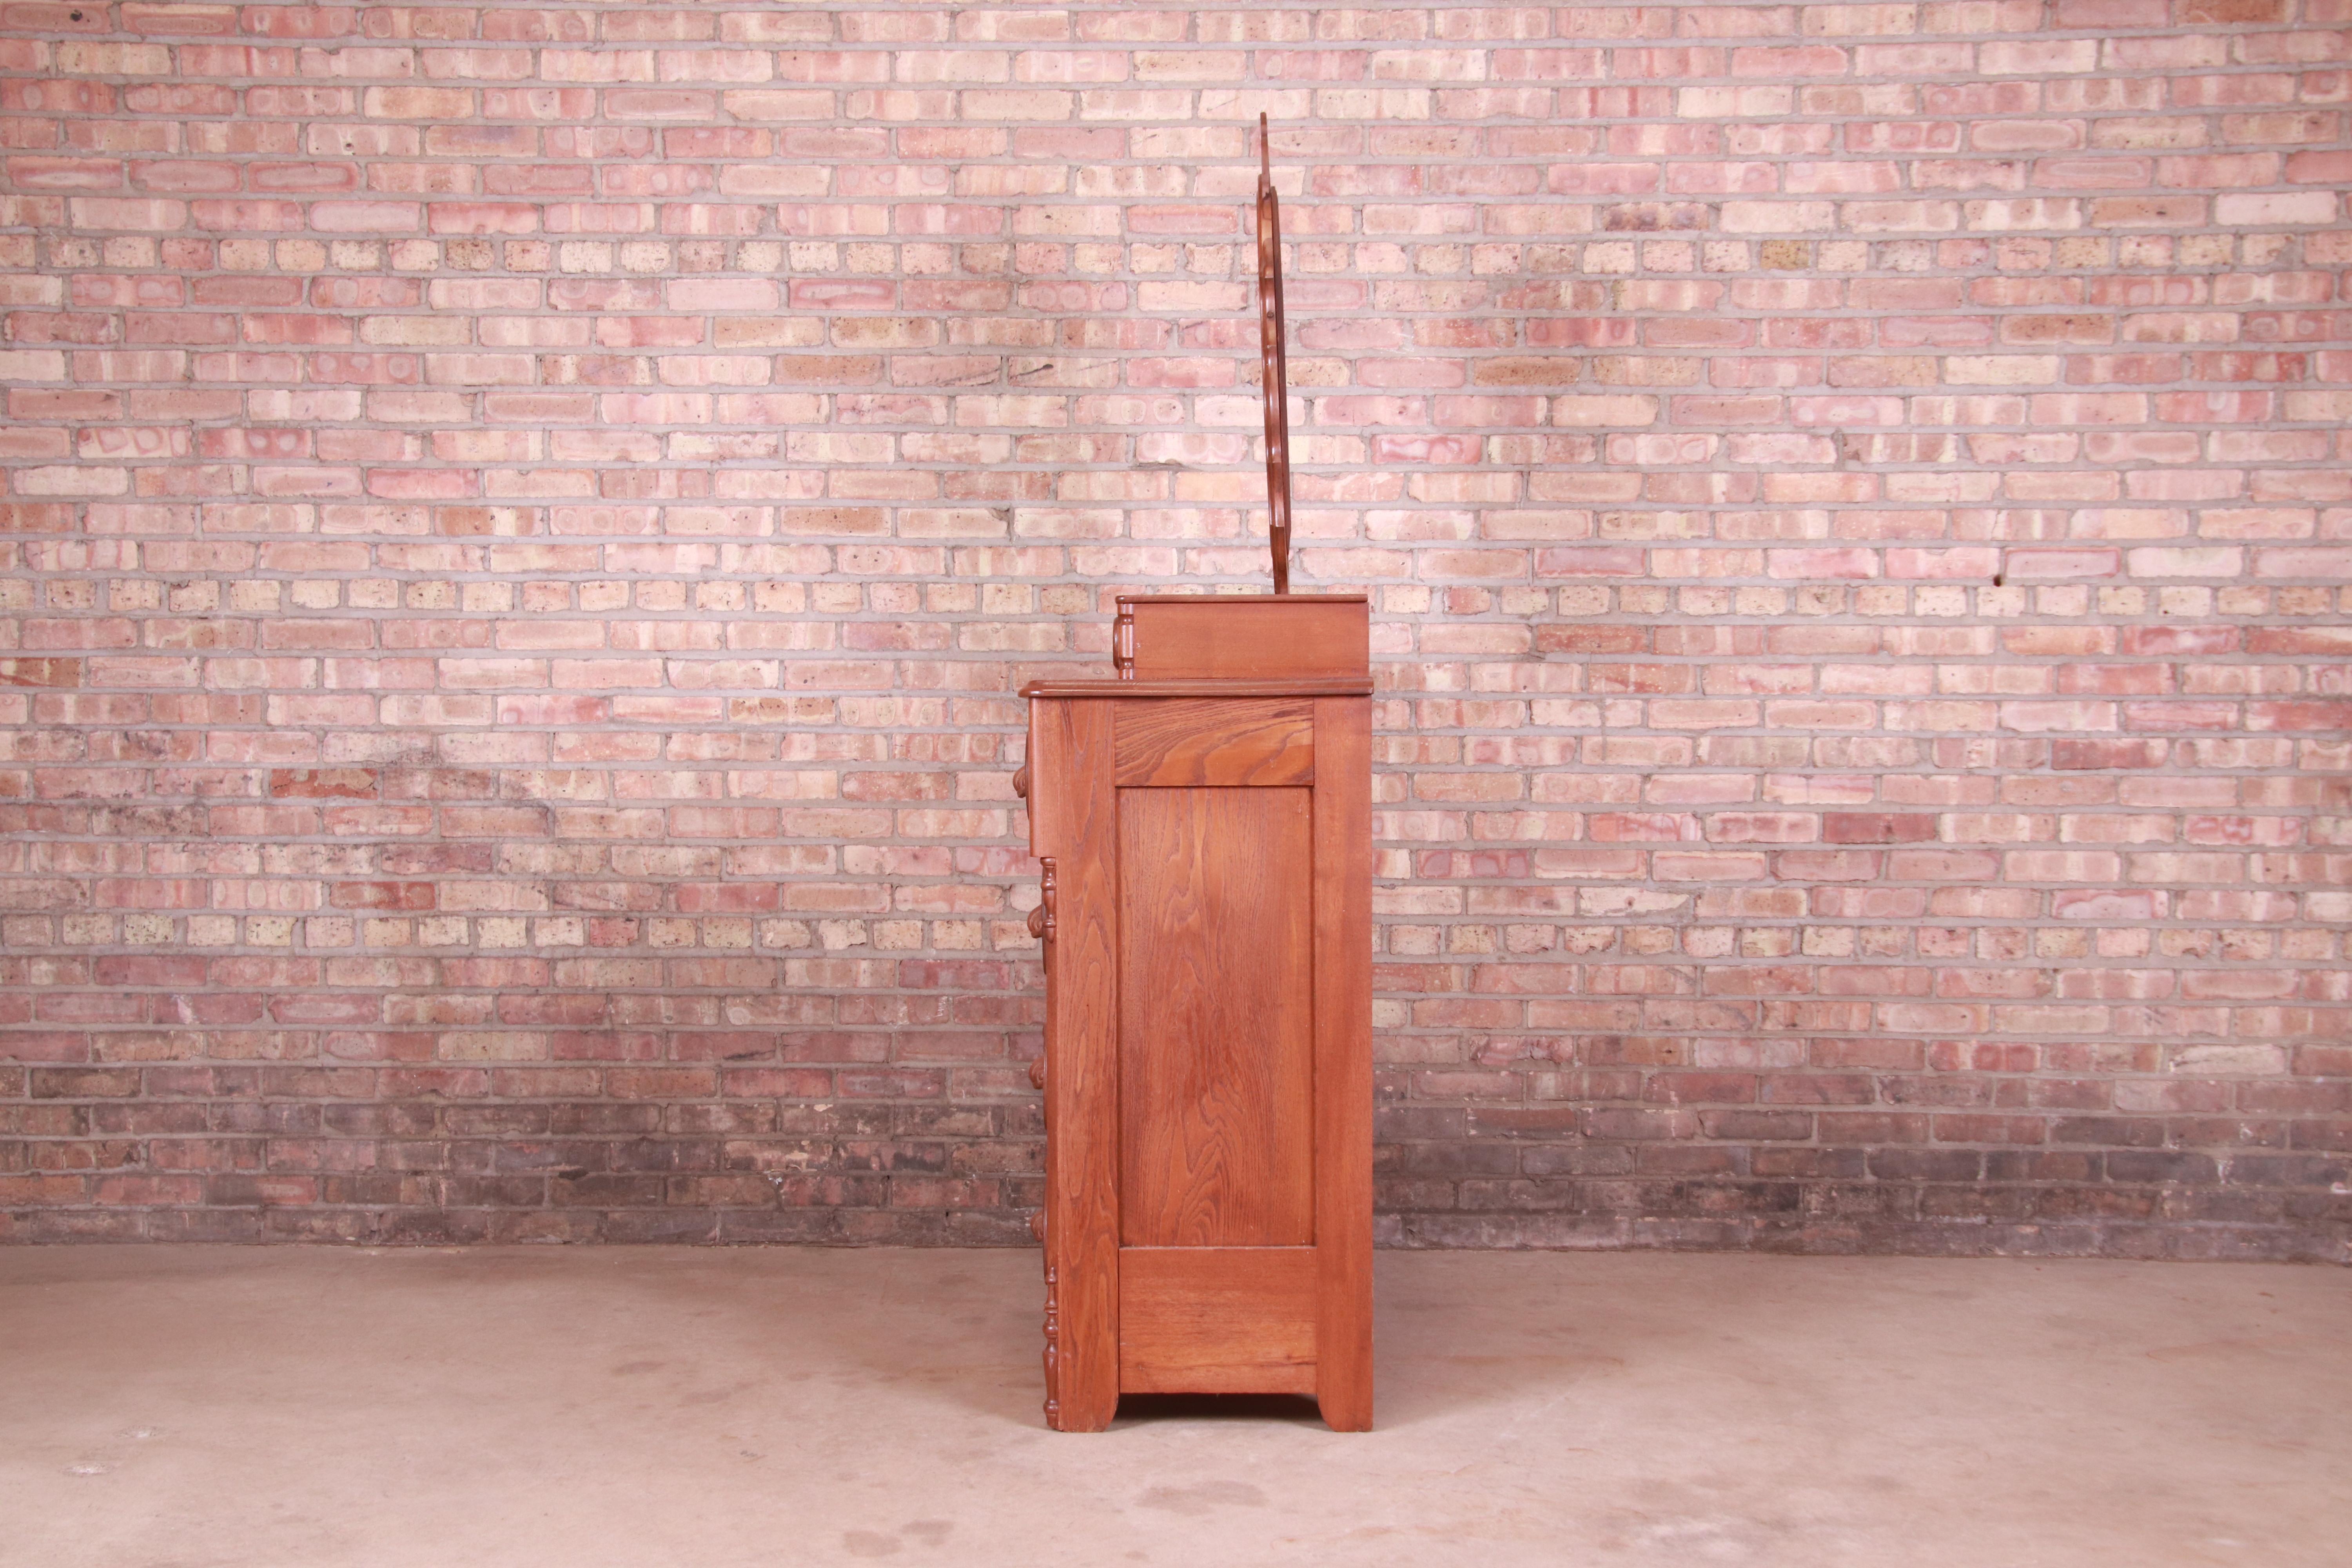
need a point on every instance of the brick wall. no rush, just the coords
(522, 526)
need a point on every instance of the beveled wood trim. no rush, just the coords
(1126, 599)
(1038, 788)
(1174, 743)
(1206, 686)
(1343, 1062)
(1079, 803)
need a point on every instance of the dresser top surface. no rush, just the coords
(1227, 600)
(1206, 686)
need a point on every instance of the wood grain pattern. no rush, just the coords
(1208, 1063)
(1217, 1320)
(1076, 820)
(1343, 1063)
(1179, 596)
(1173, 741)
(1216, 1018)
(1292, 636)
(1221, 686)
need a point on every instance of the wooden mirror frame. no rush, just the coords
(1274, 379)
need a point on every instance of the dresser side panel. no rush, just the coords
(1071, 778)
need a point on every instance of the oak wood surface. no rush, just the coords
(1077, 808)
(1208, 1062)
(1342, 971)
(1169, 741)
(1217, 1320)
(1216, 1039)
(1204, 686)
(1295, 635)
(1128, 601)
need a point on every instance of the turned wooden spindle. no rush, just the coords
(1274, 379)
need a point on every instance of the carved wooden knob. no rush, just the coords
(1037, 1225)
(1021, 781)
(1037, 1073)
(1041, 918)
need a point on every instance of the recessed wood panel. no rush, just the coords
(1171, 742)
(1217, 1320)
(1216, 1045)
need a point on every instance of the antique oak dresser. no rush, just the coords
(1204, 822)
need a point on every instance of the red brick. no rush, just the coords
(1906, 672)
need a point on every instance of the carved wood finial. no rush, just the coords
(1275, 378)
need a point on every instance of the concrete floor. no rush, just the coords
(173, 1407)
